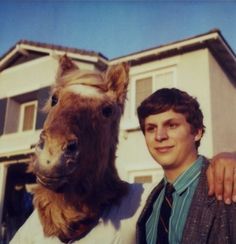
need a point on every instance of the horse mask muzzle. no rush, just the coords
(54, 172)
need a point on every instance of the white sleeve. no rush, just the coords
(31, 232)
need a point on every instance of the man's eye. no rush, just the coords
(150, 129)
(173, 125)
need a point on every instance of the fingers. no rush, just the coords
(210, 180)
(234, 186)
(228, 184)
(223, 172)
(219, 180)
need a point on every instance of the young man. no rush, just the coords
(172, 123)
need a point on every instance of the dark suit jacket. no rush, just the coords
(208, 222)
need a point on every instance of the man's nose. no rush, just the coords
(161, 134)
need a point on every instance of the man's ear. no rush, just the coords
(117, 78)
(198, 135)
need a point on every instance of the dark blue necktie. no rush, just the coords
(165, 212)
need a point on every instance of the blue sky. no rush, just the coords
(113, 28)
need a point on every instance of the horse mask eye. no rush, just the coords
(54, 100)
(107, 111)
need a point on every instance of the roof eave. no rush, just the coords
(214, 41)
(165, 48)
(24, 48)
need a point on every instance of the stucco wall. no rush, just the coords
(223, 103)
(133, 154)
(27, 77)
(31, 76)
(193, 77)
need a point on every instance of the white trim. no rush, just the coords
(8, 56)
(23, 48)
(21, 117)
(154, 66)
(59, 52)
(17, 161)
(15, 153)
(166, 70)
(167, 47)
(27, 64)
(18, 143)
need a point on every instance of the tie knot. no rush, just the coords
(169, 189)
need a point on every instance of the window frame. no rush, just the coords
(155, 174)
(22, 115)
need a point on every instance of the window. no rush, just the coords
(145, 175)
(143, 179)
(27, 116)
(162, 80)
(143, 88)
(146, 86)
(140, 87)
(21, 115)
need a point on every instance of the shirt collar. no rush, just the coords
(188, 176)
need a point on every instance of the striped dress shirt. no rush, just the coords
(185, 186)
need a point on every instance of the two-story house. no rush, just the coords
(203, 65)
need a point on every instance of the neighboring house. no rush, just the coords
(204, 66)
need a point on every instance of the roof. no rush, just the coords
(26, 50)
(213, 40)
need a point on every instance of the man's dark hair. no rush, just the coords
(176, 100)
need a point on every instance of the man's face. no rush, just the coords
(170, 141)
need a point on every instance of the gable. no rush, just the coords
(25, 51)
(20, 58)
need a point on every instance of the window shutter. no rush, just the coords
(143, 90)
(3, 108)
(42, 97)
(164, 80)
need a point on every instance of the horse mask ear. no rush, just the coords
(66, 65)
(117, 77)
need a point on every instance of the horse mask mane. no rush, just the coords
(75, 157)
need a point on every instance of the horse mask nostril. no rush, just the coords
(71, 147)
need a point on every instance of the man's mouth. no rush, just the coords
(163, 149)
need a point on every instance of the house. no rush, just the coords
(26, 73)
(203, 65)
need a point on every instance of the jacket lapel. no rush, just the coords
(201, 212)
